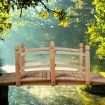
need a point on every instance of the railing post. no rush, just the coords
(81, 57)
(22, 60)
(52, 63)
(87, 64)
(17, 66)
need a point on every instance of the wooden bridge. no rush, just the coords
(55, 66)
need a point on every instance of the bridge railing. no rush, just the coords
(81, 63)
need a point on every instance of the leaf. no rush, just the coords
(44, 14)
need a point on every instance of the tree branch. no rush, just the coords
(48, 9)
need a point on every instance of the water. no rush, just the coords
(47, 95)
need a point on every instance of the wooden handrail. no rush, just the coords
(67, 60)
(36, 66)
(52, 63)
(21, 64)
(87, 64)
(37, 49)
(17, 66)
(69, 53)
(34, 53)
(68, 66)
(66, 49)
(37, 60)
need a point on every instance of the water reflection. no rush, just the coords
(47, 95)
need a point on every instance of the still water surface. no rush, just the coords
(47, 95)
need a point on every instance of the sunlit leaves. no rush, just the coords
(5, 22)
(58, 13)
(97, 29)
(63, 23)
(62, 16)
(44, 14)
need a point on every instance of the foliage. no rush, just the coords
(102, 73)
(62, 15)
(97, 28)
(5, 22)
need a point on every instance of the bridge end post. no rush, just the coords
(52, 63)
(87, 64)
(22, 60)
(17, 66)
(81, 57)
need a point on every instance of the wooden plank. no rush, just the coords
(35, 66)
(87, 64)
(67, 65)
(37, 60)
(66, 49)
(37, 49)
(80, 74)
(8, 79)
(63, 77)
(17, 67)
(44, 75)
(52, 63)
(67, 60)
(48, 75)
(34, 53)
(69, 53)
(22, 58)
(97, 79)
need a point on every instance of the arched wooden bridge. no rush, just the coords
(55, 66)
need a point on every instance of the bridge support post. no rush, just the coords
(87, 64)
(22, 60)
(81, 57)
(52, 63)
(17, 66)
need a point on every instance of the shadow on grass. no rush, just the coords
(98, 90)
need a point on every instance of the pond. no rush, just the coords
(47, 95)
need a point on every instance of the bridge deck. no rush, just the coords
(43, 78)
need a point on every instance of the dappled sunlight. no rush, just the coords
(102, 73)
(53, 95)
(89, 99)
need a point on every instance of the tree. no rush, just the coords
(5, 22)
(62, 15)
(96, 30)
